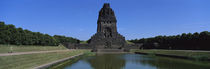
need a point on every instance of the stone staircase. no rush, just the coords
(109, 50)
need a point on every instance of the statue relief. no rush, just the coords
(107, 32)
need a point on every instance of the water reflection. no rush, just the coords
(107, 61)
(133, 61)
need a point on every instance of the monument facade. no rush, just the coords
(106, 39)
(107, 36)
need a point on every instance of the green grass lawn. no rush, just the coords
(83, 42)
(129, 42)
(193, 54)
(32, 60)
(14, 48)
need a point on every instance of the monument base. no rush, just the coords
(109, 50)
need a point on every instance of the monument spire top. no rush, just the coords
(106, 5)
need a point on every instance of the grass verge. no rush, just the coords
(30, 61)
(197, 55)
(14, 48)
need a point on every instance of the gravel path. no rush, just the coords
(33, 52)
(190, 50)
(183, 50)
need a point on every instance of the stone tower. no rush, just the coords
(107, 36)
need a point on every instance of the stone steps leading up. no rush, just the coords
(109, 50)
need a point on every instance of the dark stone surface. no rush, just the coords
(77, 46)
(107, 36)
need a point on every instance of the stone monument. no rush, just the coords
(107, 36)
(107, 39)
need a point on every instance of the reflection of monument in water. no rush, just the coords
(107, 36)
(107, 61)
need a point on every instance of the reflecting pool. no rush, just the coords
(135, 61)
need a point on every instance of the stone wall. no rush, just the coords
(126, 47)
(77, 46)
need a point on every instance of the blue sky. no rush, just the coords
(136, 18)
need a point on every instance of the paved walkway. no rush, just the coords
(190, 50)
(182, 50)
(32, 52)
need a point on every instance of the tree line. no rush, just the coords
(189, 41)
(9, 34)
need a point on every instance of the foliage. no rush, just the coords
(9, 34)
(195, 41)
